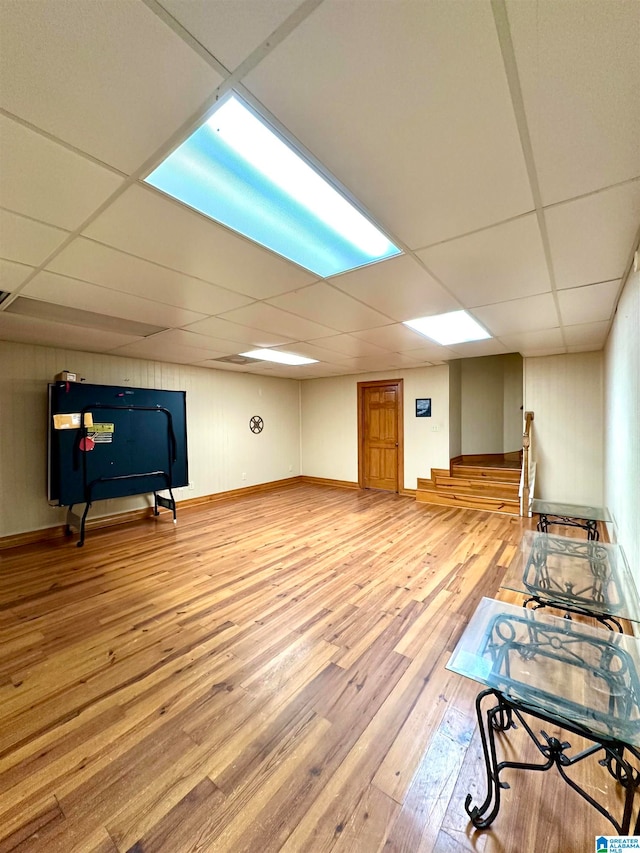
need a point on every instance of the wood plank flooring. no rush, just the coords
(266, 676)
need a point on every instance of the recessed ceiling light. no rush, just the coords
(279, 357)
(237, 170)
(456, 327)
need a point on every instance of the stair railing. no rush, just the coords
(528, 474)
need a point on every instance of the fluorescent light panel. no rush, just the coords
(456, 327)
(278, 357)
(238, 171)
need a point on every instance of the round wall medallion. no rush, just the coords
(256, 424)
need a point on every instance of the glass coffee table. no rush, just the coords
(570, 515)
(578, 576)
(536, 666)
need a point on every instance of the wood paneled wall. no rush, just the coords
(622, 422)
(566, 394)
(219, 406)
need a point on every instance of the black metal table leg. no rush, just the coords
(500, 718)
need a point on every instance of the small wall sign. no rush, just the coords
(423, 407)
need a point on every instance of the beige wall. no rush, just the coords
(330, 424)
(482, 405)
(565, 393)
(455, 408)
(491, 400)
(622, 423)
(219, 406)
(513, 403)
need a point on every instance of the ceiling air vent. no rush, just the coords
(4, 294)
(237, 359)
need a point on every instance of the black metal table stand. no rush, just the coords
(79, 522)
(588, 524)
(605, 619)
(501, 716)
(594, 592)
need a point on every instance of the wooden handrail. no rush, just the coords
(526, 463)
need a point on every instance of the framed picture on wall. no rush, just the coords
(423, 407)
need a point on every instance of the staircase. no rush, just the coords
(475, 482)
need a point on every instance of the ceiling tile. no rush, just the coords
(591, 237)
(325, 304)
(222, 365)
(313, 371)
(217, 328)
(89, 297)
(544, 351)
(230, 31)
(579, 70)
(416, 118)
(352, 347)
(201, 342)
(29, 330)
(156, 348)
(594, 347)
(372, 363)
(589, 334)
(403, 359)
(397, 338)
(519, 315)
(25, 240)
(472, 349)
(12, 275)
(109, 78)
(400, 288)
(46, 181)
(313, 351)
(588, 304)
(433, 353)
(116, 270)
(527, 343)
(273, 320)
(149, 225)
(499, 263)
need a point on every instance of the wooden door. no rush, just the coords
(380, 444)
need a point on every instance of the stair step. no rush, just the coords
(477, 472)
(468, 501)
(476, 486)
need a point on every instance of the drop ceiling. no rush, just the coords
(496, 143)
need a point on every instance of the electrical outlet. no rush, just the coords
(290, 468)
(243, 475)
(191, 487)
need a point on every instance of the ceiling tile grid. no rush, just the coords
(145, 223)
(396, 108)
(108, 78)
(408, 105)
(579, 69)
(119, 271)
(481, 267)
(46, 181)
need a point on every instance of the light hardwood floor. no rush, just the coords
(266, 676)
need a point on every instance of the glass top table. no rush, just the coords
(570, 515)
(534, 665)
(574, 672)
(577, 575)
